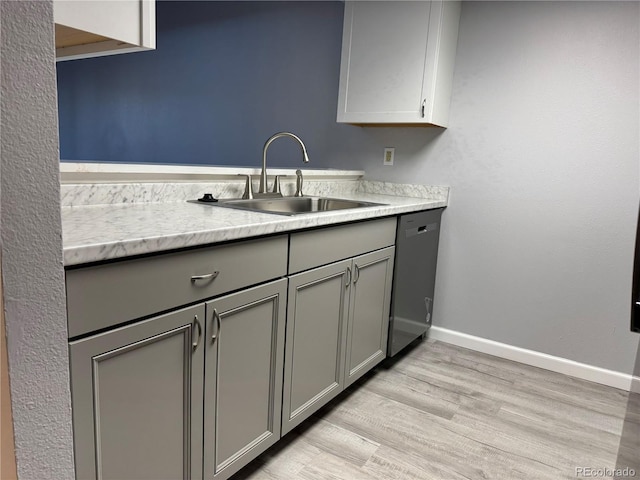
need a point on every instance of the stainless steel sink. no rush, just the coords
(294, 205)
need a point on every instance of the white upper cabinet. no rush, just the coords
(397, 62)
(92, 28)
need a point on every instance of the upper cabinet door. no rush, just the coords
(397, 62)
(91, 28)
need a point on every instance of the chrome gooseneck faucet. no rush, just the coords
(263, 175)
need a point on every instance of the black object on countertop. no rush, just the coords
(207, 198)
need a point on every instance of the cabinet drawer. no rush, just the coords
(320, 247)
(106, 295)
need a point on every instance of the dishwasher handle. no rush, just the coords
(413, 231)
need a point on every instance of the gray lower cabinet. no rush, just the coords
(137, 399)
(316, 338)
(243, 376)
(337, 322)
(201, 391)
(369, 304)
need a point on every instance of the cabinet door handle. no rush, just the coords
(197, 324)
(348, 272)
(207, 276)
(424, 101)
(356, 273)
(216, 317)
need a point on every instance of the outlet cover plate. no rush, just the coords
(389, 153)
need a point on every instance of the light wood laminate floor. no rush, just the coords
(443, 412)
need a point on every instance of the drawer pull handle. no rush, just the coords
(207, 276)
(216, 317)
(197, 323)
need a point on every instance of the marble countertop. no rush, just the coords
(103, 232)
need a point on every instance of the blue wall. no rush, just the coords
(224, 77)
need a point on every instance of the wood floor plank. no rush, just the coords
(442, 412)
(444, 398)
(520, 393)
(330, 467)
(415, 393)
(515, 370)
(337, 441)
(629, 451)
(270, 465)
(522, 441)
(570, 418)
(395, 464)
(397, 424)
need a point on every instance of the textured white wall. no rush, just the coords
(31, 237)
(542, 156)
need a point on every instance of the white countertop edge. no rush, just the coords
(88, 172)
(264, 224)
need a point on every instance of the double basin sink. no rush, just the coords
(294, 205)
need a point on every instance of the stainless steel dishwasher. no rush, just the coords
(414, 277)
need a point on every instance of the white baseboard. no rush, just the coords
(603, 376)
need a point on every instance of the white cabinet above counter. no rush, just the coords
(92, 28)
(397, 62)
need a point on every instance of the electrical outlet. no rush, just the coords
(389, 153)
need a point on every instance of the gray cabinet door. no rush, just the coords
(137, 399)
(368, 312)
(315, 345)
(243, 377)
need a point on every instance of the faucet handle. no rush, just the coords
(276, 185)
(248, 188)
(299, 184)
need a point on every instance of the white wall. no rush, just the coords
(31, 243)
(542, 156)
